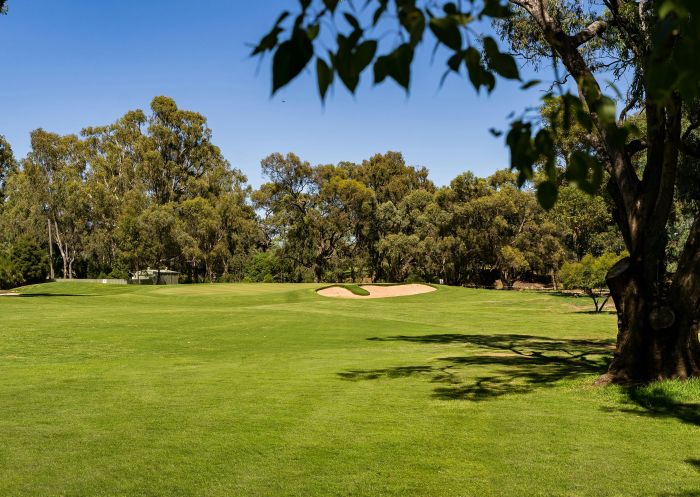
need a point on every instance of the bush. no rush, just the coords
(259, 266)
(9, 276)
(23, 263)
(589, 275)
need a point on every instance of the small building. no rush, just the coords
(155, 277)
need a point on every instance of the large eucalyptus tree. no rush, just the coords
(652, 42)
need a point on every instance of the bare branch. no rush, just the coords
(630, 105)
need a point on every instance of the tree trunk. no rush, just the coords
(52, 276)
(506, 280)
(318, 272)
(657, 319)
(655, 340)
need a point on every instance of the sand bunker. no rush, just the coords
(377, 291)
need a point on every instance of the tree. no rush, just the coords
(30, 260)
(589, 275)
(115, 154)
(310, 209)
(7, 165)
(652, 41)
(585, 222)
(56, 169)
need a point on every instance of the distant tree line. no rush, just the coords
(153, 191)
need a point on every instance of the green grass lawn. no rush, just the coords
(272, 390)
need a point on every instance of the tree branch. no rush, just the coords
(635, 146)
(691, 149)
(591, 31)
(590, 94)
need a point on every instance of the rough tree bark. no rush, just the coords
(657, 316)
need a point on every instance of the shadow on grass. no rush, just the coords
(694, 463)
(497, 364)
(490, 366)
(655, 402)
(27, 295)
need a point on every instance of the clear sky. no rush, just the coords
(71, 64)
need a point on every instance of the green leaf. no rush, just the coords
(331, 4)
(312, 31)
(502, 63)
(290, 59)
(351, 61)
(325, 77)
(381, 69)
(446, 30)
(450, 8)
(455, 61)
(378, 13)
(396, 65)
(530, 84)
(269, 41)
(606, 110)
(580, 166)
(352, 20)
(364, 54)
(413, 20)
(473, 59)
(493, 8)
(547, 193)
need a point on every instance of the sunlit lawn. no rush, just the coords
(272, 390)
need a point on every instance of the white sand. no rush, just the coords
(377, 291)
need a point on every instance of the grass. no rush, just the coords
(273, 390)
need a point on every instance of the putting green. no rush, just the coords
(273, 390)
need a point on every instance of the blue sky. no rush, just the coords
(77, 63)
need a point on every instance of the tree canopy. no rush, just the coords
(152, 190)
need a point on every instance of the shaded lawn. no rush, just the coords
(269, 389)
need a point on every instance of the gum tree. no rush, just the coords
(653, 42)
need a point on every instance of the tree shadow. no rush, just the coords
(29, 295)
(373, 374)
(695, 463)
(656, 402)
(497, 365)
(604, 312)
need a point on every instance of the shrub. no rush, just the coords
(259, 266)
(589, 275)
(9, 276)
